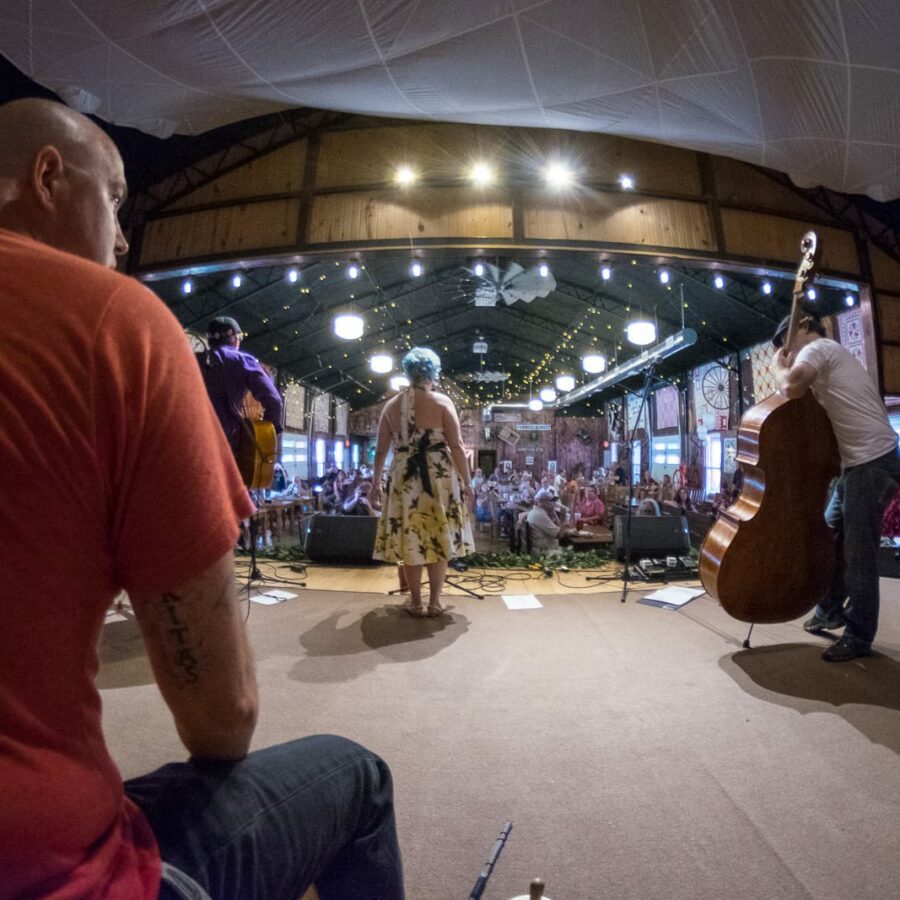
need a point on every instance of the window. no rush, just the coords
(354, 456)
(294, 457)
(666, 456)
(320, 457)
(339, 454)
(713, 463)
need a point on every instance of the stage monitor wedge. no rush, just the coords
(341, 539)
(652, 536)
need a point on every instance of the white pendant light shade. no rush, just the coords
(398, 382)
(565, 382)
(593, 363)
(535, 405)
(381, 363)
(641, 332)
(348, 326)
(547, 394)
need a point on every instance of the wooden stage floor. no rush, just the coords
(379, 579)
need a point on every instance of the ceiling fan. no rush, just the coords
(514, 284)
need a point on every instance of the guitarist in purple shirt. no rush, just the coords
(229, 373)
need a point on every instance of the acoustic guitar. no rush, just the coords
(256, 452)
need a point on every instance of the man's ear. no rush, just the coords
(47, 174)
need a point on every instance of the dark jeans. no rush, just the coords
(315, 810)
(854, 513)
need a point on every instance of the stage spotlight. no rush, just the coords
(348, 326)
(353, 271)
(381, 362)
(719, 282)
(593, 363)
(849, 300)
(236, 281)
(478, 270)
(543, 270)
(404, 176)
(415, 269)
(641, 332)
(398, 382)
(558, 175)
(535, 405)
(606, 273)
(811, 293)
(187, 286)
(481, 174)
(565, 382)
(293, 276)
(626, 182)
(663, 276)
(767, 287)
(547, 394)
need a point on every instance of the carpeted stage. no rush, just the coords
(640, 752)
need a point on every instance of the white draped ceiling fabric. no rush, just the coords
(808, 87)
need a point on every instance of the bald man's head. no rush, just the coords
(61, 180)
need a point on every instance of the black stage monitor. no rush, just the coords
(341, 539)
(652, 536)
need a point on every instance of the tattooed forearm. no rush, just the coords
(183, 649)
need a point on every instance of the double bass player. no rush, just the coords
(869, 477)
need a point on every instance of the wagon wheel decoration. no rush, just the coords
(715, 387)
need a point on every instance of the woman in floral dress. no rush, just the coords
(425, 514)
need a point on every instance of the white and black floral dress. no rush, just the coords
(424, 518)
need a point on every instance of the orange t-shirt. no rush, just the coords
(115, 474)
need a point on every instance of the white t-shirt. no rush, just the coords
(544, 531)
(849, 396)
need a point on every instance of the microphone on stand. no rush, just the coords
(478, 890)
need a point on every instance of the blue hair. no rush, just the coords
(422, 364)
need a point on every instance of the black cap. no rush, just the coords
(222, 328)
(778, 337)
(807, 316)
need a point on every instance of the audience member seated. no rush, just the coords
(683, 500)
(666, 490)
(358, 504)
(648, 507)
(724, 498)
(648, 486)
(546, 521)
(592, 508)
(483, 503)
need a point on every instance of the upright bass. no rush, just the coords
(770, 556)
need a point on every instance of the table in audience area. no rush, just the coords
(280, 516)
(590, 537)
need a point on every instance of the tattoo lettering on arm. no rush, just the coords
(182, 648)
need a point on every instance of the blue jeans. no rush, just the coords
(854, 514)
(315, 810)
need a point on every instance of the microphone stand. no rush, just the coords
(478, 890)
(650, 378)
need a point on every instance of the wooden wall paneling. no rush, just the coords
(602, 158)
(890, 360)
(242, 228)
(369, 156)
(428, 213)
(619, 219)
(885, 270)
(278, 172)
(770, 237)
(888, 316)
(740, 184)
